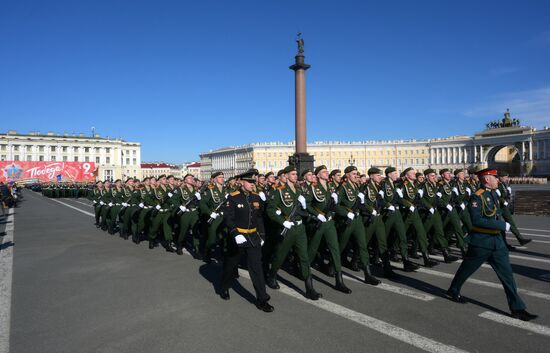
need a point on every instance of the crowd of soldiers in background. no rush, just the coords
(374, 219)
(528, 180)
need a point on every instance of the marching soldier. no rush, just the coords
(486, 244)
(504, 192)
(105, 201)
(448, 203)
(335, 178)
(161, 215)
(321, 202)
(243, 218)
(187, 203)
(285, 208)
(210, 205)
(148, 202)
(95, 197)
(348, 209)
(462, 199)
(132, 199)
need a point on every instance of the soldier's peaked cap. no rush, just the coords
(350, 169)
(320, 168)
(247, 176)
(216, 174)
(389, 170)
(374, 170)
(429, 171)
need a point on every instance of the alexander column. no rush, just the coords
(301, 159)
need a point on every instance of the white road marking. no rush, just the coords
(536, 230)
(380, 326)
(508, 320)
(74, 208)
(83, 203)
(484, 283)
(531, 234)
(395, 332)
(534, 241)
(395, 289)
(512, 256)
(6, 276)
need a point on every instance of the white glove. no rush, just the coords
(157, 207)
(198, 195)
(302, 201)
(262, 195)
(183, 209)
(262, 243)
(124, 204)
(381, 193)
(322, 218)
(391, 208)
(432, 211)
(334, 197)
(374, 213)
(170, 194)
(278, 212)
(421, 192)
(110, 204)
(94, 202)
(455, 190)
(449, 207)
(226, 195)
(287, 224)
(509, 189)
(362, 197)
(399, 192)
(438, 194)
(469, 191)
(498, 192)
(508, 226)
(101, 203)
(351, 215)
(412, 208)
(141, 205)
(240, 239)
(214, 215)
(463, 206)
(505, 203)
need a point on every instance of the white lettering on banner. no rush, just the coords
(50, 170)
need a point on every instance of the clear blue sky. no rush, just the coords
(183, 77)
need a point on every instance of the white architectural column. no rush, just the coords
(448, 155)
(530, 150)
(544, 155)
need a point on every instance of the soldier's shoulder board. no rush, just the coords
(479, 192)
(281, 187)
(235, 193)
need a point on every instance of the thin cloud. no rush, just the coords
(532, 107)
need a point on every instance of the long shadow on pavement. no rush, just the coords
(531, 272)
(212, 273)
(526, 252)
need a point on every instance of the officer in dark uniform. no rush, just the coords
(243, 217)
(486, 244)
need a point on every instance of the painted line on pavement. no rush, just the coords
(6, 277)
(533, 241)
(536, 230)
(483, 283)
(510, 321)
(531, 234)
(74, 208)
(395, 332)
(83, 203)
(512, 256)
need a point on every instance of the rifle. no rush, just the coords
(290, 217)
(210, 220)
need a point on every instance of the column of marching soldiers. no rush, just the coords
(325, 220)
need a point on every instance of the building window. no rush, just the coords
(76, 158)
(64, 158)
(53, 159)
(86, 149)
(52, 148)
(64, 148)
(16, 157)
(3, 157)
(86, 159)
(107, 150)
(127, 161)
(97, 160)
(3, 147)
(41, 158)
(16, 147)
(134, 161)
(29, 148)
(29, 158)
(75, 149)
(97, 150)
(108, 160)
(40, 148)
(134, 152)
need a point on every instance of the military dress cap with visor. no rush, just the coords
(389, 170)
(350, 169)
(216, 174)
(458, 171)
(444, 170)
(305, 172)
(487, 171)
(320, 168)
(247, 176)
(408, 170)
(429, 171)
(289, 169)
(334, 172)
(280, 172)
(374, 170)
(268, 174)
(419, 174)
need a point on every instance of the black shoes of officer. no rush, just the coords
(448, 257)
(264, 306)
(340, 286)
(524, 241)
(224, 294)
(271, 281)
(369, 278)
(523, 315)
(510, 247)
(151, 244)
(311, 293)
(457, 298)
(179, 250)
(171, 247)
(427, 261)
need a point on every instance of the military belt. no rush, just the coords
(486, 231)
(246, 231)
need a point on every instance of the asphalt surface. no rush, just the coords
(77, 289)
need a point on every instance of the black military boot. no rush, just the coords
(427, 261)
(179, 249)
(448, 257)
(340, 286)
(151, 244)
(413, 254)
(328, 269)
(524, 241)
(408, 265)
(170, 246)
(311, 293)
(271, 280)
(388, 271)
(369, 278)
(354, 264)
(523, 315)
(224, 294)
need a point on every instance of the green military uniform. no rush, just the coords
(462, 200)
(148, 202)
(485, 244)
(451, 219)
(94, 195)
(210, 205)
(161, 217)
(106, 204)
(117, 197)
(188, 218)
(132, 199)
(393, 221)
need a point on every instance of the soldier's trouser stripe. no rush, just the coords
(507, 320)
(6, 276)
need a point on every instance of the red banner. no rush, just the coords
(47, 171)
